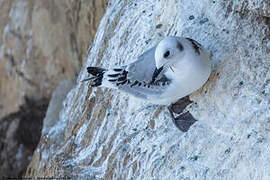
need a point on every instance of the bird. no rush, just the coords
(167, 72)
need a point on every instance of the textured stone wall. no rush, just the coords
(41, 44)
(105, 134)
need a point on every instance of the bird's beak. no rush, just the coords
(156, 73)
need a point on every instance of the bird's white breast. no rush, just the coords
(187, 76)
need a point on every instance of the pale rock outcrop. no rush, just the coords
(41, 44)
(56, 105)
(105, 134)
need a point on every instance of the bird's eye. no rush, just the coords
(166, 54)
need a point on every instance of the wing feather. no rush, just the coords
(135, 78)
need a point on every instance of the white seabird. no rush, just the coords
(173, 69)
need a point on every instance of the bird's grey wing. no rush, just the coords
(135, 78)
(144, 67)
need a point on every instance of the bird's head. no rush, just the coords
(168, 52)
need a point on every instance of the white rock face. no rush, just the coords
(105, 134)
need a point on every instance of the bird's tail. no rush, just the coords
(97, 78)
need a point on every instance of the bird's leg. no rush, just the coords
(180, 105)
(171, 111)
(184, 120)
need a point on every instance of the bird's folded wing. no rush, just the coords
(144, 67)
(135, 78)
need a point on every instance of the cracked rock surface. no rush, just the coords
(106, 134)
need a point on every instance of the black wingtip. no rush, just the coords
(95, 71)
(98, 76)
(88, 79)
